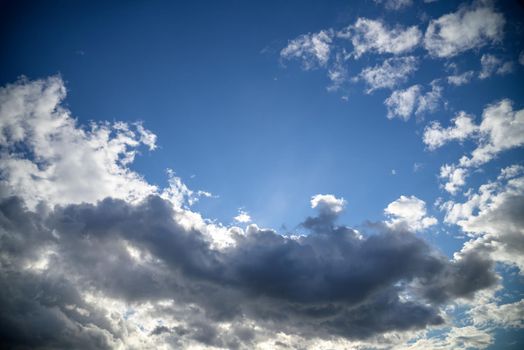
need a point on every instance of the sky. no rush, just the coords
(262, 174)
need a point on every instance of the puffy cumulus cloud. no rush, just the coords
(492, 64)
(501, 129)
(493, 217)
(395, 4)
(390, 73)
(455, 177)
(59, 161)
(328, 204)
(409, 212)
(462, 128)
(470, 27)
(369, 35)
(145, 272)
(404, 103)
(242, 217)
(313, 50)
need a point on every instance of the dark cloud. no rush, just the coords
(331, 282)
(40, 312)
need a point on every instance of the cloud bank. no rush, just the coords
(130, 266)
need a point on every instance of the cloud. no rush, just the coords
(467, 337)
(410, 213)
(470, 27)
(62, 163)
(501, 129)
(455, 177)
(395, 4)
(510, 315)
(493, 65)
(390, 73)
(369, 35)
(492, 215)
(312, 49)
(404, 103)
(511, 172)
(139, 253)
(463, 127)
(136, 272)
(337, 72)
(327, 204)
(242, 217)
(461, 79)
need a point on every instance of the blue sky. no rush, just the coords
(263, 105)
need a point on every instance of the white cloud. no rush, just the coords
(337, 72)
(404, 103)
(493, 65)
(69, 164)
(369, 35)
(511, 172)
(390, 73)
(493, 217)
(243, 217)
(312, 49)
(501, 129)
(509, 315)
(521, 58)
(462, 128)
(395, 4)
(455, 177)
(328, 204)
(461, 79)
(409, 212)
(470, 27)
(178, 193)
(429, 101)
